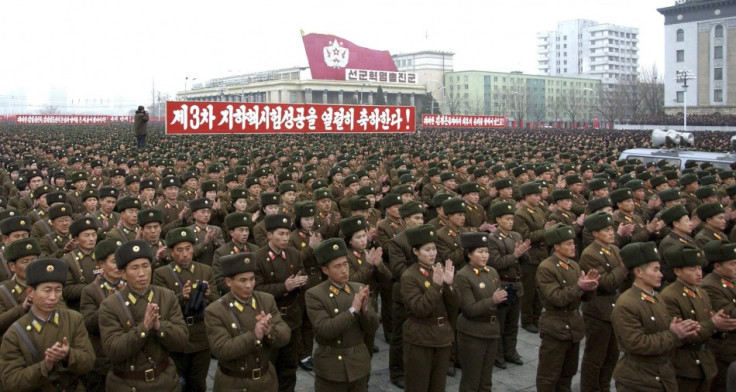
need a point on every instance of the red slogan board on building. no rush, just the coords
(194, 117)
(453, 120)
(69, 119)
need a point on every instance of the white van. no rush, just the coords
(679, 158)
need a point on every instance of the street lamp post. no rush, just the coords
(186, 79)
(683, 76)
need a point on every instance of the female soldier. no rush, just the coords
(429, 298)
(477, 327)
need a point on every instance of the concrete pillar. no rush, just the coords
(341, 97)
(308, 96)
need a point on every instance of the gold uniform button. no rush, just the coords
(143, 334)
(336, 310)
(339, 342)
(656, 378)
(161, 334)
(692, 311)
(567, 327)
(339, 357)
(697, 362)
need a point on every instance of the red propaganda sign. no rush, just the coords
(195, 117)
(330, 56)
(82, 119)
(452, 120)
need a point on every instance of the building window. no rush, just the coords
(717, 73)
(680, 35)
(718, 31)
(718, 95)
(680, 96)
(680, 56)
(718, 52)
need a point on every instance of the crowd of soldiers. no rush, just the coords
(128, 269)
(712, 119)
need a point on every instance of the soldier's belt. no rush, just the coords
(252, 374)
(144, 375)
(191, 320)
(431, 321)
(338, 350)
(509, 279)
(284, 310)
(561, 313)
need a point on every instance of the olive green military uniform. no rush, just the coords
(229, 248)
(449, 246)
(478, 329)
(299, 240)
(243, 361)
(105, 222)
(400, 258)
(204, 252)
(22, 364)
(123, 233)
(708, 234)
(140, 359)
(670, 240)
(92, 296)
(12, 295)
(386, 230)
(501, 248)
(428, 335)
(722, 295)
(601, 349)
(529, 222)
(52, 244)
(561, 326)
(695, 365)
(192, 359)
(80, 273)
(170, 214)
(640, 233)
(342, 362)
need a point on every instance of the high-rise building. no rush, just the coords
(430, 67)
(696, 37)
(586, 48)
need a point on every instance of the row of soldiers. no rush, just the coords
(460, 201)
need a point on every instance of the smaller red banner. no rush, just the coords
(82, 119)
(195, 117)
(453, 120)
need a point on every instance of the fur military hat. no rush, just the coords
(639, 253)
(621, 194)
(167, 182)
(200, 204)
(150, 216)
(15, 223)
(709, 210)
(517, 171)
(502, 183)
(136, 249)
(78, 176)
(439, 198)
(680, 255)
(352, 225)
(349, 180)
(127, 202)
(401, 189)
(434, 171)
(454, 205)
(60, 210)
(598, 221)
(469, 187)
(497, 169)
(329, 250)
(558, 233)
(419, 235)
(705, 191)
(231, 177)
(599, 203)
(287, 187)
(474, 240)
(657, 181)
(46, 270)
(305, 209)
(238, 193)
(250, 181)
(645, 176)
(688, 179)
(82, 224)
(501, 208)
(40, 191)
(366, 190)
(55, 197)
(411, 208)
(322, 193)
(132, 179)
(447, 176)
(598, 183)
(708, 180)
(108, 191)
(88, 194)
(669, 195)
(106, 248)
(148, 183)
(358, 203)
(719, 251)
(561, 194)
(391, 199)
(674, 213)
(237, 264)
(573, 179)
(530, 188)
(22, 248)
(207, 186)
(180, 234)
(277, 221)
(269, 198)
(634, 184)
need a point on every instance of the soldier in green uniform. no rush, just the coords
(694, 364)
(475, 215)
(478, 331)
(507, 250)
(13, 300)
(47, 349)
(106, 216)
(173, 211)
(106, 284)
(136, 340)
(127, 227)
(269, 206)
(59, 240)
(714, 218)
(530, 221)
(601, 350)
(149, 222)
(238, 226)
(242, 328)
(431, 303)
(719, 285)
(689, 184)
(342, 317)
(678, 221)
(12, 228)
(562, 286)
(327, 220)
(190, 281)
(280, 272)
(81, 262)
(448, 237)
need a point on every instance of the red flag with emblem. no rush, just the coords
(329, 56)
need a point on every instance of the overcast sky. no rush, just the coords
(118, 49)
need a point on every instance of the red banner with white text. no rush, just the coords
(453, 120)
(195, 117)
(81, 119)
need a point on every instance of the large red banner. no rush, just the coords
(329, 56)
(454, 120)
(195, 117)
(69, 119)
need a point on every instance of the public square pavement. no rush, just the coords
(514, 378)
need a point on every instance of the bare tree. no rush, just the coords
(611, 103)
(572, 104)
(652, 90)
(519, 102)
(474, 106)
(454, 102)
(555, 108)
(49, 109)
